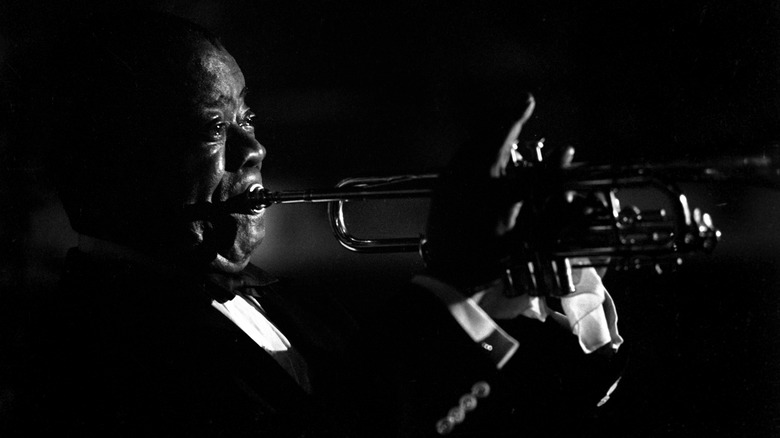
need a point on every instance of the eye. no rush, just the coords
(248, 120)
(216, 130)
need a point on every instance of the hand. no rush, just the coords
(474, 210)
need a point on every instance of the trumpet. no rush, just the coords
(624, 237)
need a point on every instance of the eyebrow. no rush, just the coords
(223, 98)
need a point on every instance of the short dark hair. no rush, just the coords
(110, 74)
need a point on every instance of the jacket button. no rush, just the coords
(444, 426)
(456, 415)
(480, 389)
(468, 402)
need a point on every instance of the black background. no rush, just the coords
(372, 88)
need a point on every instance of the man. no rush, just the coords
(162, 326)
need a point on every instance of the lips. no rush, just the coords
(249, 182)
(238, 196)
(230, 195)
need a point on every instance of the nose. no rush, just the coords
(242, 149)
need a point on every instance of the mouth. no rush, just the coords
(246, 202)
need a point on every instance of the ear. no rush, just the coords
(498, 168)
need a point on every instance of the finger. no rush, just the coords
(561, 156)
(568, 156)
(697, 216)
(498, 168)
(507, 223)
(707, 220)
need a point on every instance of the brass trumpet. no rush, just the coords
(620, 236)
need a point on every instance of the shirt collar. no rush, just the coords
(251, 281)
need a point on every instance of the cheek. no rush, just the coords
(200, 174)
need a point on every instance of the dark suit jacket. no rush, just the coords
(548, 388)
(131, 352)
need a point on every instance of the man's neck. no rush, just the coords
(113, 251)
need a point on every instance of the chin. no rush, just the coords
(239, 255)
(231, 240)
(223, 264)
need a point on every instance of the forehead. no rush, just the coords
(217, 77)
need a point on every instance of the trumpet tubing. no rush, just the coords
(350, 189)
(620, 236)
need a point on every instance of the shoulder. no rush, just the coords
(134, 352)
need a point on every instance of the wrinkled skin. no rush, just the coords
(220, 160)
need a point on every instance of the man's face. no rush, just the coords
(221, 158)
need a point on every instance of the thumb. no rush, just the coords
(504, 154)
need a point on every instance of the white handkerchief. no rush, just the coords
(536, 308)
(591, 313)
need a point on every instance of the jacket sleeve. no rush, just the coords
(431, 379)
